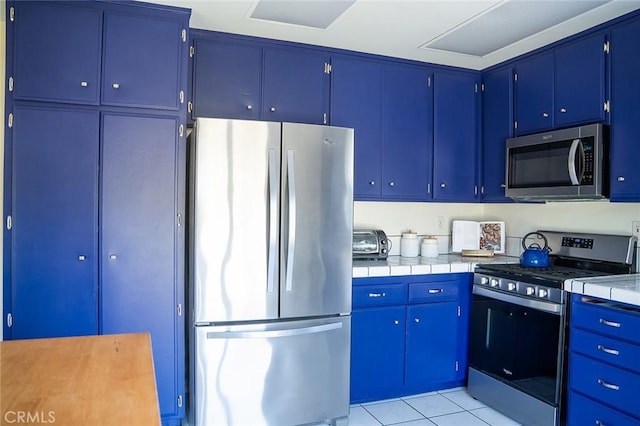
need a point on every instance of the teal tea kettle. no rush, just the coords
(535, 256)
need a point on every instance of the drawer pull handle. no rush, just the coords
(608, 351)
(435, 290)
(377, 294)
(599, 423)
(609, 323)
(608, 385)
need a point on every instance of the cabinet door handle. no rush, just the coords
(608, 385)
(249, 107)
(82, 257)
(84, 84)
(113, 257)
(436, 290)
(545, 114)
(563, 110)
(620, 179)
(443, 185)
(396, 322)
(608, 351)
(599, 423)
(377, 294)
(372, 182)
(609, 323)
(502, 185)
(417, 319)
(507, 372)
(392, 184)
(272, 109)
(116, 85)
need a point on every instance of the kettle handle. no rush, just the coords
(546, 243)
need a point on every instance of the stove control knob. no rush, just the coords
(530, 291)
(484, 280)
(542, 292)
(511, 286)
(494, 282)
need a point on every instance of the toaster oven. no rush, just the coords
(370, 244)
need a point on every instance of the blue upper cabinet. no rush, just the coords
(534, 94)
(356, 101)
(497, 127)
(407, 133)
(625, 92)
(141, 66)
(227, 80)
(296, 86)
(580, 81)
(455, 142)
(57, 55)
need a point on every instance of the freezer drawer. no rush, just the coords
(283, 373)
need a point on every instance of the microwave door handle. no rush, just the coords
(571, 162)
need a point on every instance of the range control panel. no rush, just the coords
(585, 243)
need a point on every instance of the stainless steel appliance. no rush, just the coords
(519, 324)
(370, 244)
(567, 164)
(271, 228)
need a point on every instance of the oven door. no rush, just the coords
(518, 341)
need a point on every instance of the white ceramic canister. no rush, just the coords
(409, 245)
(429, 247)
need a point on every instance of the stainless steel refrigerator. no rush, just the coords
(270, 273)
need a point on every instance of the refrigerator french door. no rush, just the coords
(271, 226)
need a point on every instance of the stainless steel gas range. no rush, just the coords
(519, 323)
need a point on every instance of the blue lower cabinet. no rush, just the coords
(585, 411)
(416, 344)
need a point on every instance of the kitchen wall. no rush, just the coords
(3, 36)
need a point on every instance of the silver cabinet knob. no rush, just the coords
(84, 83)
(545, 114)
(417, 319)
(249, 107)
(620, 178)
(82, 257)
(502, 185)
(396, 322)
(113, 257)
(443, 185)
(116, 85)
(272, 109)
(372, 182)
(392, 184)
(563, 110)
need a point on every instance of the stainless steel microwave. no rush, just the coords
(566, 164)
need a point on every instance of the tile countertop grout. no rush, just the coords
(617, 288)
(443, 264)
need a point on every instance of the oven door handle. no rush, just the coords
(539, 305)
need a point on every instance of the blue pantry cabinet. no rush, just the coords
(95, 177)
(625, 112)
(455, 142)
(497, 127)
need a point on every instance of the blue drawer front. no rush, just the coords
(616, 352)
(379, 295)
(610, 322)
(584, 411)
(433, 292)
(610, 385)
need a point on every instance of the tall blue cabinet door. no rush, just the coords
(54, 236)
(356, 102)
(455, 140)
(534, 94)
(296, 86)
(497, 127)
(625, 92)
(226, 80)
(407, 132)
(141, 61)
(580, 81)
(57, 53)
(139, 259)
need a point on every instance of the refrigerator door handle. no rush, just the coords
(291, 247)
(273, 221)
(285, 332)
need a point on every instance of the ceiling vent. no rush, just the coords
(306, 13)
(506, 23)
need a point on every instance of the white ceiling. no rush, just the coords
(406, 28)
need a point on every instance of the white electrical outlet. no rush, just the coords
(441, 223)
(635, 228)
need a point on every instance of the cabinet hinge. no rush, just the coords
(459, 310)
(482, 87)
(11, 84)
(192, 51)
(606, 47)
(475, 88)
(482, 190)
(181, 96)
(179, 220)
(10, 120)
(181, 130)
(180, 401)
(475, 190)
(324, 118)
(9, 320)
(9, 223)
(189, 107)
(457, 366)
(429, 81)
(428, 188)
(515, 124)
(183, 35)
(607, 106)
(12, 14)
(515, 77)
(327, 68)
(179, 309)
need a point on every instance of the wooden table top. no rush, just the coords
(91, 380)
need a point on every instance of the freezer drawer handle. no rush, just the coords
(608, 351)
(273, 221)
(608, 385)
(609, 323)
(291, 248)
(286, 332)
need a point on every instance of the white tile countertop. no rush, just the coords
(619, 288)
(443, 264)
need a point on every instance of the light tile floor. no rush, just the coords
(451, 407)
